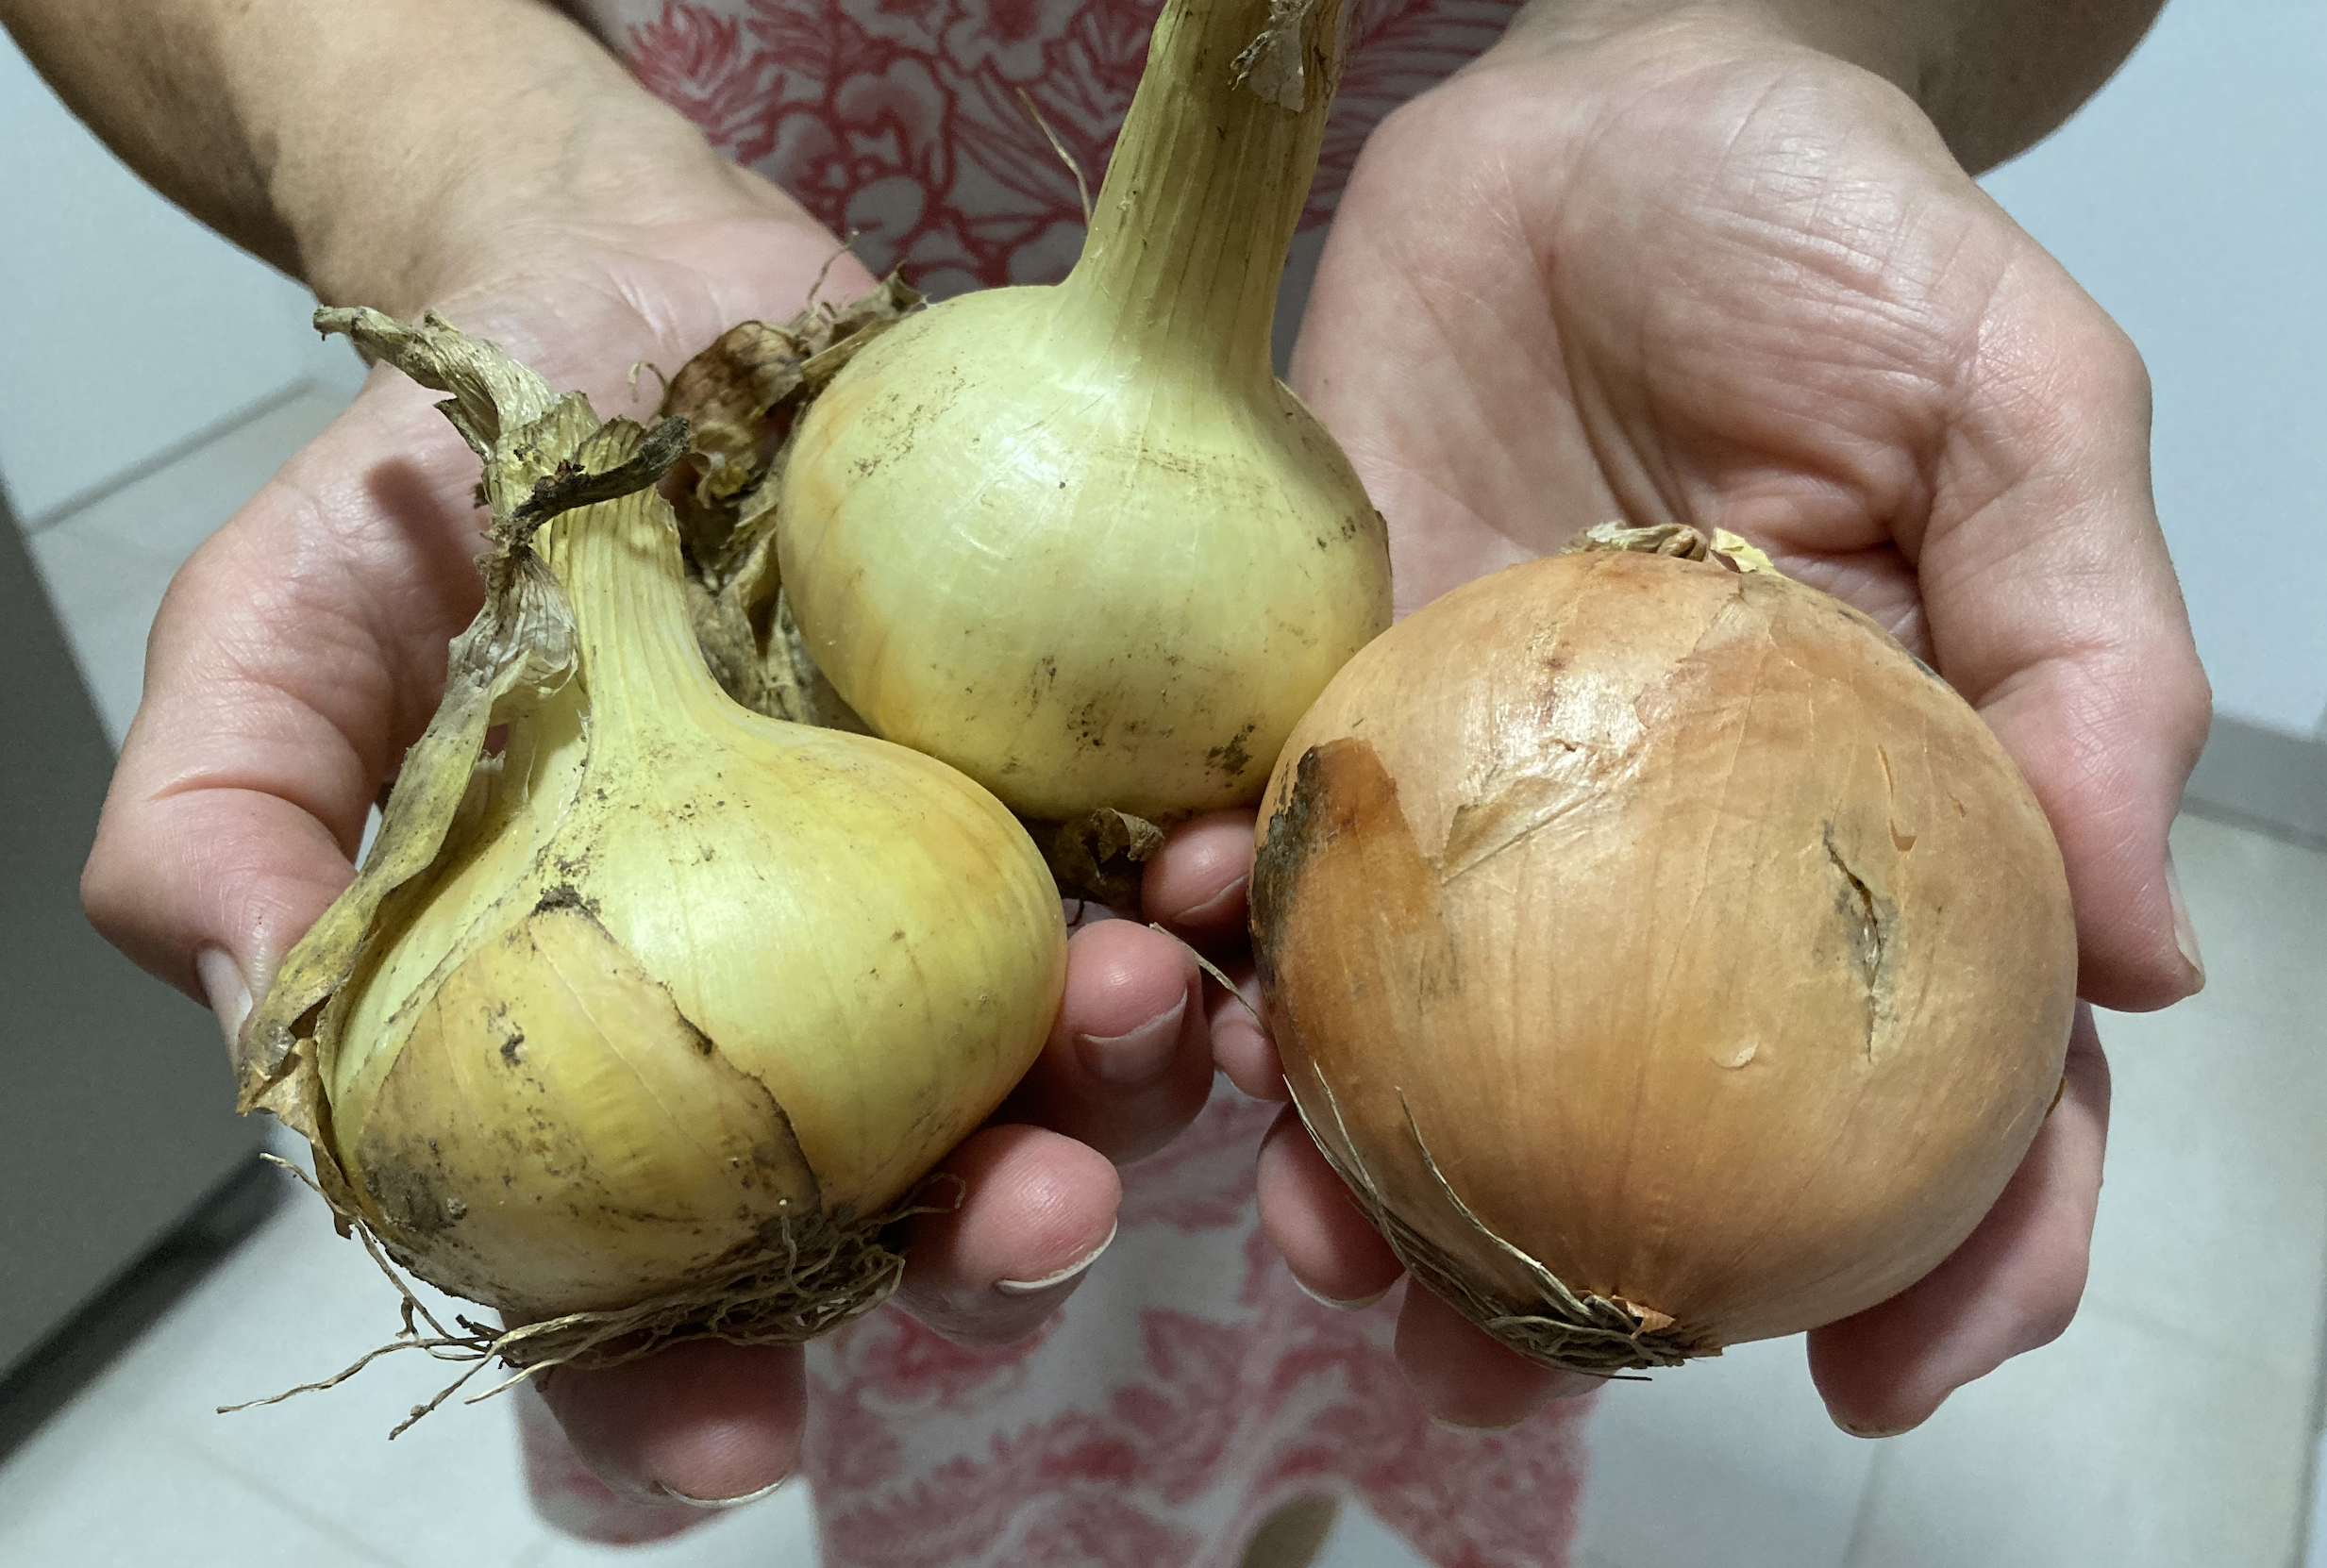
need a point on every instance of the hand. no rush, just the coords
(1698, 272)
(302, 649)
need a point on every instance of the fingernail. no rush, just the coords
(1447, 1424)
(1356, 1305)
(228, 992)
(1873, 1430)
(678, 1496)
(2185, 934)
(1217, 906)
(1138, 1056)
(1051, 1282)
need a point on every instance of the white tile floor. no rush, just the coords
(2173, 1428)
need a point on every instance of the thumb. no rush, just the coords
(295, 653)
(702, 1422)
(2054, 607)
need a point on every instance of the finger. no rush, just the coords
(1465, 1378)
(1129, 1063)
(1195, 884)
(1241, 1046)
(2052, 606)
(2013, 1286)
(702, 1422)
(1333, 1251)
(1037, 1209)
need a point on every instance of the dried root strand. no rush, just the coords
(1593, 1335)
(1219, 976)
(816, 1275)
(1083, 186)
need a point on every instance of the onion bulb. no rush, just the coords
(1665, 957)
(1077, 541)
(641, 1024)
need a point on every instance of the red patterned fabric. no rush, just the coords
(901, 121)
(1189, 1389)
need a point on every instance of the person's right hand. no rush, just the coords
(1692, 270)
(303, 647)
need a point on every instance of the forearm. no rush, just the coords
(1996, 77)
(369, 149)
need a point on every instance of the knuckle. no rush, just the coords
(2119, 362)
(2097, 356)
(108, 886)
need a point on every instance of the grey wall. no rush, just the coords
(2190, 198)
(116, 1108)
(125, 327)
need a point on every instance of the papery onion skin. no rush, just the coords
(1710, 946)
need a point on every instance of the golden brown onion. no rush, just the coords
(1666, 956)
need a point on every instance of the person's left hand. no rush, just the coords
(302, 649)
(1698, 272)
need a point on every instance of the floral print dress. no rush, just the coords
(1190, 1388)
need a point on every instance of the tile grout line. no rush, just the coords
(1862, 1521)
(2132, 1317)
(226, 425)
(2262, 827)
(2307, 1499)
(186, 1444)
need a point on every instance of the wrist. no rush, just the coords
(372, 150)
(505, 214)
(1992, 79)
(1899, 40)
(400, 152)
(444, 196)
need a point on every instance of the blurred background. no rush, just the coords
(151, 378)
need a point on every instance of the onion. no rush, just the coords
(1077, 541)
(1665, 956)
(643, 1025)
